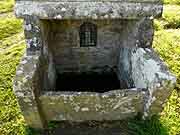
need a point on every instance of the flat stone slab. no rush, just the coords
(83, 106)
(87, 10)
(136, 1)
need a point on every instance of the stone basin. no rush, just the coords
(90, 37)
(153, 83)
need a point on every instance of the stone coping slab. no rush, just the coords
(135, 1)
(87, 10)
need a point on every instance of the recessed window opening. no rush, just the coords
(88, 34)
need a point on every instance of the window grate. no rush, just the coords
(88, 34)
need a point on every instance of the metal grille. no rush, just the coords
(88, 34)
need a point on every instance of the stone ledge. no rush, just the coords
(87, 10)
(136, 1)
(82, 106)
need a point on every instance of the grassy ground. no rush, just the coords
(12, 45)
(6, 6)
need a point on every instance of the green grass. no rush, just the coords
(171, 115)
(11, 49)
(9, 26)
(166, 43)
(6, 6)
(11, 120)
(175, 2)
(11, 41)
(151, 126)
(170, 18)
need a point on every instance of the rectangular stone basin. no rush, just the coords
(146, 89)
(91, 96)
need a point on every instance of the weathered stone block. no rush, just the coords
(81, 106)
(116, 37)
(88, 10)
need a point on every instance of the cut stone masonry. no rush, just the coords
(118, 45)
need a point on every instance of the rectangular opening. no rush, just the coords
(104, 67)
(87, 82)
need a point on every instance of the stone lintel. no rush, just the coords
(88, 10)
(135, 1)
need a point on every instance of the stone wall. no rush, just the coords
(49, 69)
(142, 68)
(81, 106)
(70, 57)
(150, 72)
(27, 87)
(64, 43)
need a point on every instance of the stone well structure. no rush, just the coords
(90, 60)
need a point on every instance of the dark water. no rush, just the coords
(92, 82)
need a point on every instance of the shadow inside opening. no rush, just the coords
(90, 127)
(87, 82)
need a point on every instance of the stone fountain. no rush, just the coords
(90, 60)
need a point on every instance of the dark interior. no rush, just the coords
(90, 82)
